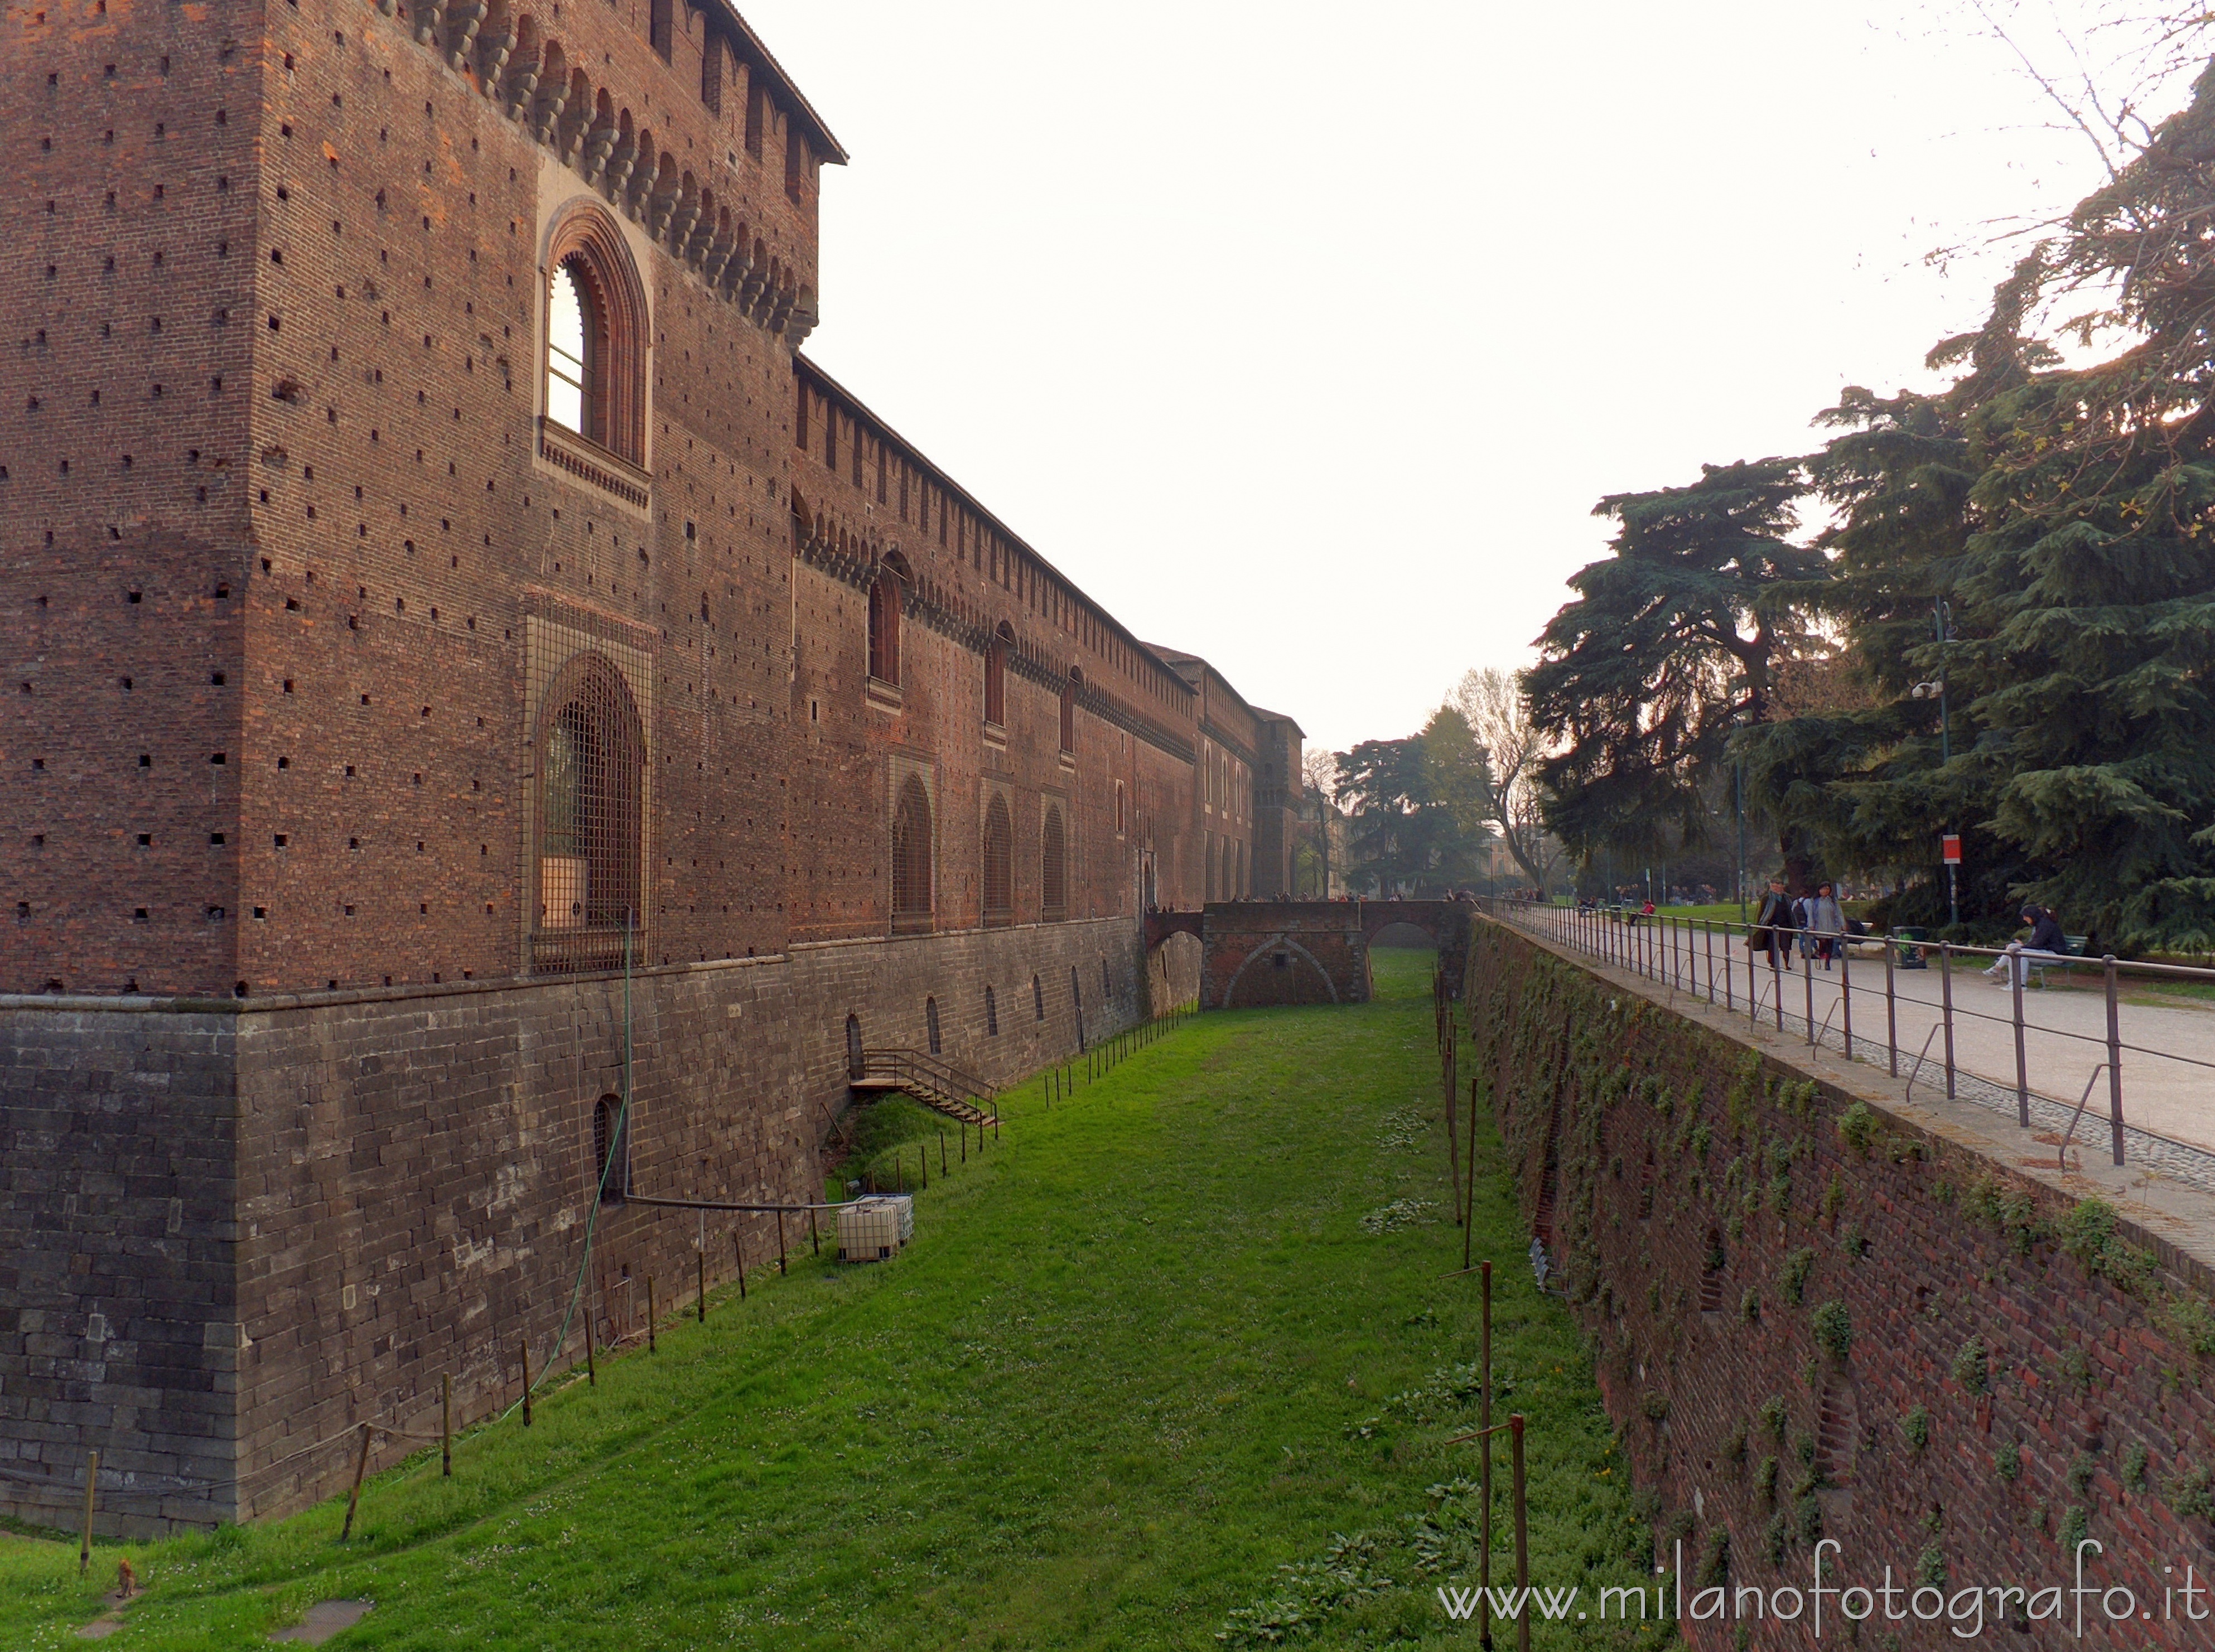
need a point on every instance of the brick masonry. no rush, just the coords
(1716, 1208)
(1259, 953)
(229, 1233)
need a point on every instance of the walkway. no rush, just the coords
(2167, 1049)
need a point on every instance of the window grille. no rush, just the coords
(999, 861)
(1038, 999)
(591, 760)
(991, 1015)
(855, 1067)
(911, 859)
(611, 1150)
(1077, 1004)
(1053, 881)
(930, 1023)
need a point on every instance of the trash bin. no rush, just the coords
(1911, 948)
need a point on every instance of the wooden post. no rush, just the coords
(996, 1128)
(781, 1268)
(1469, 1193)
(942, 1149)
(523, 1353)
(649, 1313)
(923, 1158)
(353, 1496)
(899, 1170)
(591, 1371)
(91, 1480)
(1453, 1150)
(1484, 1473)
(1522, 1537)
(815, 1239)
(962, 1124)
(446, 1424)
(700, 1258)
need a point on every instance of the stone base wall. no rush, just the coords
(1818, 1317)
(231, 1232)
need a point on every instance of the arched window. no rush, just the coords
(911, 859)
(930, 1024)
(1054, 881)
(1069, 685)
(1107, 987)
(995, 675)
(999, 861)
(611, 1150)
(572, 330)
(596, 331)
(1077, 1004)
(1038, 999)
(591, 762)
(885, 625)
(856, 1066)
(991, 1015)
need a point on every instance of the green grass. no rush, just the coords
(1143, 1354)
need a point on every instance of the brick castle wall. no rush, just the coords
(232, 1233)
(1816, 1320)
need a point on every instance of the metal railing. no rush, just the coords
(1873, 998)
(907, 1066)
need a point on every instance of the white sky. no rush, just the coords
(1305, 337)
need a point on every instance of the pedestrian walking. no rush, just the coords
(1828, 922)
(1774, 926)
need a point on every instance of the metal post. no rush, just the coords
(1845, 994)
(446, 1422)
(1891, 1010)
(1946, 1000)
(1808, 980)
(2016, 970)
(1708, 927)
(2115, 1061)
(91, 1480)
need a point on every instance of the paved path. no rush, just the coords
(2168, 1055)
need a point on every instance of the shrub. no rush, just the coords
(1715, 1565)
(1857, 1125)
(2081, 1469)
(2192, 1325)
(2008, 1459)
(1972, 1366)
(1655, 1405)
(2088, 1233)
(2134, 1466)
(1774, 1416)
(2190, 1497)
(1792, 1278)
(1765, 1480)
(1749, 1304)
(1930, 1566)
(1834, 1330)
(2075, 1525)
(1914, 1429)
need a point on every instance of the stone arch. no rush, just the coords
(1278, 956)
(583, 241)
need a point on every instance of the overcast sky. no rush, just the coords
(1305, 337)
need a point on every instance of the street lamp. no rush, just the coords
(1942, 626)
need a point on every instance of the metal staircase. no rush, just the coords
(938, 1084)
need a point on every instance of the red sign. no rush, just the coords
(1951, 844)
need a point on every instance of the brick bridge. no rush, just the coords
(1264, 952)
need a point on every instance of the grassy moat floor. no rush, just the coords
(1171, 1365)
